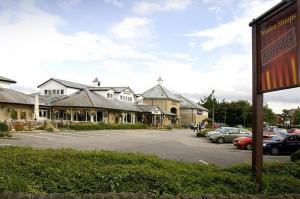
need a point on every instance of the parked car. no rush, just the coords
(294, 130)
(270, 131)
(243, 142)
(227, 134)
(282, 144)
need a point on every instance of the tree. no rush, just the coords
(285, 116)
(269, 116)
(297, 117)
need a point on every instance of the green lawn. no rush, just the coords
(65, 170)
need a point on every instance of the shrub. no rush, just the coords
(101, 126)
(295, 156)
(3, 127)
(50, 127)
(201, 134)
(24, 169)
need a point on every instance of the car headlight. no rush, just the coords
(265, 144)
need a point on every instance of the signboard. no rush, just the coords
(278, 68)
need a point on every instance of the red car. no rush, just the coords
(243, 143)
(293, 130)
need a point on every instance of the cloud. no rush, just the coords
(236, 31)
(149, 7)
(117, 3)
(68, 4)
(132, 28)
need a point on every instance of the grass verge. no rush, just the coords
(70, 171)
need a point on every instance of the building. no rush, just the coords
(5, 82)
(166, 101)
(64, 101)
(14, 105)
(191, 112)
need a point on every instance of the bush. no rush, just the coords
(50, 127)
(5, 134)
(295, 156)
(3, 127)
(101, 126)
(30, 170)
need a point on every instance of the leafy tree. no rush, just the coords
(297, 117)
(286, 116)
(269, 116)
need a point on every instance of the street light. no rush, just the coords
(213, 109)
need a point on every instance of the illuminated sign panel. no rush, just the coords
(278, 51)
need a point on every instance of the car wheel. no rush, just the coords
(274, 151)
(220, 140)
(248, 147)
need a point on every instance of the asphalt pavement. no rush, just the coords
(180, 145)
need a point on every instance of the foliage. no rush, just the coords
(285, 116)
(269, 116)
(203, 133)
(13, 114)
(235, 112)
(50, 127)
(295, 156)
(59, 171)
(101, 126)
(297, 117)
(3, 127)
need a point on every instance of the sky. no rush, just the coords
(196, 46)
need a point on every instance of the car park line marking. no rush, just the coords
(36, 136)
(203, 162)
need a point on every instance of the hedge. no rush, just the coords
(3, 127)
(30, 170)
(102, 126)
(139, 195)
(295, 156)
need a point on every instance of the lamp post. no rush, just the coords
(213, 109)
(225, 116)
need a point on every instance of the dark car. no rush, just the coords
(282, 144)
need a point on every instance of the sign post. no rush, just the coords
(275, 61)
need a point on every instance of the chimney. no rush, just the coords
(96, 82)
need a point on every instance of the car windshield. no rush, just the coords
(277, 138)
(282, 132)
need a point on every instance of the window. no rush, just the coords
(107, 95)
(57, 92)
(62, 92)
(53, 92)
(45, 92)
(43, 113)
(23, 116)
(121, 97)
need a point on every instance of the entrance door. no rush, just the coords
(99, 116)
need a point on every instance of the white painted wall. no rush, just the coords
(4, 84)
(126, 94)
(104, 93)
(53, 85)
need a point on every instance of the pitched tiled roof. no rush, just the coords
(14, 97)
(4, 79)
(159, 92)
(187, 103)
(67, 84)
(89, 99)
(147, 108)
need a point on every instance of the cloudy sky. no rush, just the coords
(194, 45)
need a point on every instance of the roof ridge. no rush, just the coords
(88, 94)
(163, 89)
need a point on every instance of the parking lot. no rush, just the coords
(175, 144)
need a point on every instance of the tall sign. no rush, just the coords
(275, 66)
